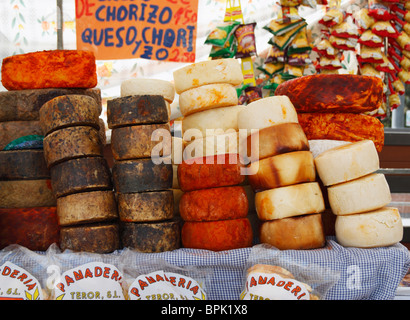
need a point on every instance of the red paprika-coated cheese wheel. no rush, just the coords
(217, 235)
(34, 228)
(210, 172)
(214, 204)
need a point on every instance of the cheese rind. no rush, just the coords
(360, 195)
(294, 233)
(377, 228)
(70, 143)
(136, 87)
(86, 207)
(207, 97)
(267, 112)
(289, 201)
(347, 162)
(69, 110)
(146, 206)
(207, 72)
(282, 170)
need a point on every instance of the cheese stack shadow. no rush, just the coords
(359, 196)
(142, 170)
(28, 212)
(214, 206)
(80, 176)
(288, 200)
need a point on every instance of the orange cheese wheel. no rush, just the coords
(209, 172)
(217, 235)
(34, 228)
(214, 204)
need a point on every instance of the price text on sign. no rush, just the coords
(149, 29)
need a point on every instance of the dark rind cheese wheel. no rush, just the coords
(214, 204)
(86, 207)
(210, 172)
(134, 142)
(26, 194)
(34, 228)
(333, 93)
(23, 164)
(217, 235)
(24, 105)
(130, 110)
(79, 175)
(151, 237)
(146, 206)
(70, 143)
(141, 175)
(94, 238)
(69, 110)
(275, 140)
(12, 130)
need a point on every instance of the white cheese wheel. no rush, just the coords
(360, 195)
(347, 162)
(267, 112)
(138, 87)
(207, 97)
(294, 233)
(282, 170)
(378, 228)
(207, 72)
(289, 201)
(218, 119)
(212, 145)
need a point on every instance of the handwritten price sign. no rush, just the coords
(149, 29)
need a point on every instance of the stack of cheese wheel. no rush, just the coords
(80, 176)
(288, 200)
(214, 206)
(359, 196)
(142, 171)
(208, 102)
(28, 213)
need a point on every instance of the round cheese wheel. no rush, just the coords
(363, 194)
(146, 206)
(151, 237)
(24, 105)
(94, 238)
(207, 72)
(282, 170)
(276, 139)
(267, 112)
(207, 97)
(137, 109)
(210, 172)
(71, 142)
(78, 175)
(34, 228)
(214, 204)
(294, 233)
(12, 130)
(134, 142)
(289, 201)
(136, 87)
(23, 165)
(212, 145)
(26, 194)
(217, 235)
(69, 110)
(86, 207)
(347, 162)
(378, 228)
(219, 119)
(139, 175)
